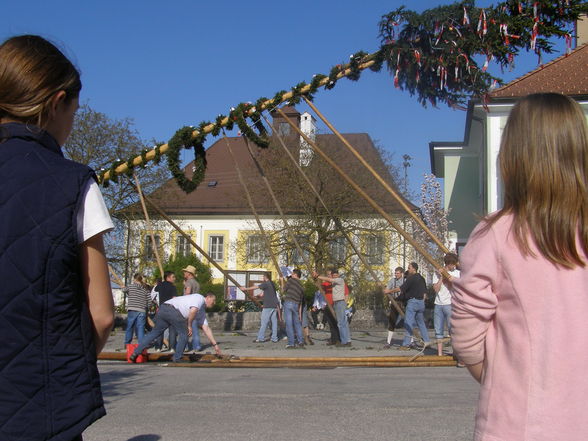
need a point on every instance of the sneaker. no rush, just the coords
(290, 347)
(275, 341)
(133, 357)
(387, 346)
(259, 341)
(404, 348)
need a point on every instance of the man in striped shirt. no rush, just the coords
(138, 298)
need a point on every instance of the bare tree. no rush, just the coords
(98, 140)
(435, 217)
(319, 231)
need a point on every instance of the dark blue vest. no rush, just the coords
(49, 383)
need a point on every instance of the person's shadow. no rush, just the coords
(149, 437)
(233, 321)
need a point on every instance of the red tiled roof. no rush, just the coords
(567, 75)
(227, 197)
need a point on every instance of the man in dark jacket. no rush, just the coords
(166, 290)
(414, 292)
(293, 296)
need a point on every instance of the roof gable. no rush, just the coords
(567, 75)
(221, 192)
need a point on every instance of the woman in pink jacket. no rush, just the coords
(520, 308)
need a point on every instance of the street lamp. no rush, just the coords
(405, 164)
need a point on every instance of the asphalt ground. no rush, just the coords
(154, 401)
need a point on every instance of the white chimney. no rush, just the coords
(308, 127)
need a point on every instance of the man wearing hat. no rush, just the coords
(191, 286)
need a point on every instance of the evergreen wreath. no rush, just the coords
(247, 110)
(183, 139)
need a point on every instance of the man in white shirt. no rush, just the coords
(443, 288)
(180, 313)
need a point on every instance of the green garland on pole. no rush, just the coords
(183, 139)
(435, 55)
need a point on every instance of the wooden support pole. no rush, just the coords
(284, 220)
(149, 227)
(335, 219)
(388, 188)
(278, 206)
(253, 210)
(195, 245)
(362, 193)
(116, 277)
(150, 155)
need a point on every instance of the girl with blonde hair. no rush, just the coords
(520, 306)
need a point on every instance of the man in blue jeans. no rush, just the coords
(179, 313)
(414, 291)
(340, 297)
(270, 311)
(443, 287)
(293, 297)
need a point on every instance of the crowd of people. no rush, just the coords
(288, 313)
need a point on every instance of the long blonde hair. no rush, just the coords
(544, 164)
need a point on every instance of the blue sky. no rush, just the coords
(176, 63)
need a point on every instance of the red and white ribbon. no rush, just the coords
(466, 18)
(568, 38)
(396, 80)
(482, 24)
(489, 58)
(417, 57)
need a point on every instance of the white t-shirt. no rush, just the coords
(92, 217)
(184, 303)
(443, 297)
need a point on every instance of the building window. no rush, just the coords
(284, 129)
(338, 250)
(298, 259)
(256, 249)
(216, 248)
(148, 246)
(182, 246)
(374, 249)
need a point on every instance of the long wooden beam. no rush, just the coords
(370, 200)
(253, 210)
(150, 155)
(285, 221)
(149, 226)
(336, 220)
(379, 178)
